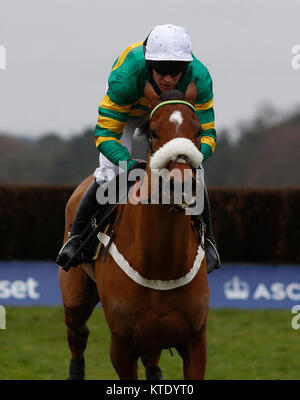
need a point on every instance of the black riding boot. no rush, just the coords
(87, 207)
(211, 252)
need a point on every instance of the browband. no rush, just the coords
(164, 103)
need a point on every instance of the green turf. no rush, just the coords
(241, 345)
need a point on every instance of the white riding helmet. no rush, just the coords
(168, 43)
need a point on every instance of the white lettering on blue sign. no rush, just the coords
(237, 289)
(19, 289)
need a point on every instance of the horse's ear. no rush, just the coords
(191, 93)
(151, 94)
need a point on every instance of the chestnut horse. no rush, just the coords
(164, 302)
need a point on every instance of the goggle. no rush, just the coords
(169, 67)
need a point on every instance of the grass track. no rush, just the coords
(241, 345)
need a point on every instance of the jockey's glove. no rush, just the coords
(134, 164)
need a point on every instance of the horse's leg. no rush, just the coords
(150, 361)
(194, 355)
(123, 359)
(80, 297)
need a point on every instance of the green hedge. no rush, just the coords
(257, 225)
(251, 225)
(32, 221)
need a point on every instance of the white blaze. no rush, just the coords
(176, 118)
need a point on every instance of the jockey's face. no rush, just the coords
(166, 82)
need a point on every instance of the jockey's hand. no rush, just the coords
(133, 164)
(137, 165)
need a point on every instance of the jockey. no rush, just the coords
(164, 59)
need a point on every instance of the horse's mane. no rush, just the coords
(164, 96)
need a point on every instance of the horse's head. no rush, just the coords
(173, 133)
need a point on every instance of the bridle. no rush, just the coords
(167, 102)
(180, 157)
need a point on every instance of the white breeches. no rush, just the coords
(107, 170)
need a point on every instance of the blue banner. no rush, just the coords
(255, 286)
(27, 283)
(232, 286)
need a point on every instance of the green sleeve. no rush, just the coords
(206, 151)
(115, 152)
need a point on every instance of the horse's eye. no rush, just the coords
(198, 134)
(153, 134)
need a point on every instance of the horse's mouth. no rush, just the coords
(183, 194)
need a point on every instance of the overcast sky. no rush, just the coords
(59, 54)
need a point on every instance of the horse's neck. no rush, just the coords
(157, 221)
(160, 239)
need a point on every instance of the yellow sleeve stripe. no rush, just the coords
(111, 124)
(108, 103)
(136, 112)
(124, 54)
(143, 101)
(204, 106)
(210, 141)
(209, 125)
(101, 139)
